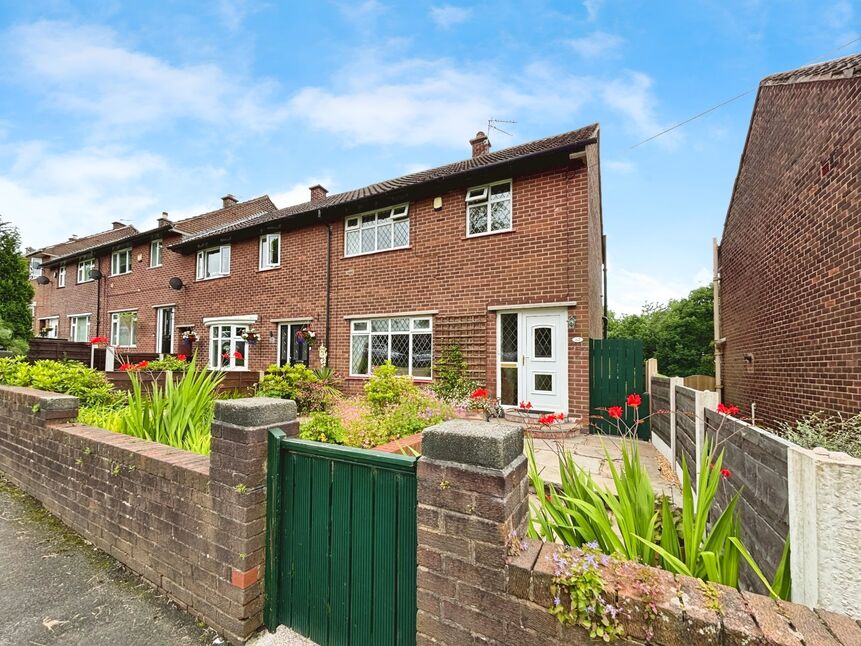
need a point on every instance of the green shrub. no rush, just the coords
(450, 381)
(8, 340)
(830, 432)
(106, 417)
(322, 427)
(386, 388)
(168, 362)
(67, 377)
(299, 383)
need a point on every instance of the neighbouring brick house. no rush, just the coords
(501, 253)
(790, 256)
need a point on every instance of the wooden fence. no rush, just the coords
(62, 350)
(233, 381)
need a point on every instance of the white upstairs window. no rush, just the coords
(155, 250)
(35, 268)
(377, 231)
(488, 209)
(213, 262)
(270, 250)
(121, 262)
(84, 269)
(61, 276)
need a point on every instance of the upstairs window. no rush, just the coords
(84, 269)
(270, 250)
(35, 268)
(61, 276)
(155, 249)
(121, 262)
(488, 209)
(377, 231)
(406, 342)
(213, 262)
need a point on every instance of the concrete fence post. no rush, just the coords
(674, 381)
(703, 399)
(238, 489)
(825, 529)
(472, 499)
(651, 371)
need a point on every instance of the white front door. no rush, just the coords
(533, 359)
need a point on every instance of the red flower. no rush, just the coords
(126, 366)
(225, 356)
(548, 497)
(560, 416)
(237, 355)
(181, 357)
(142, 364)
(479, 393)
(725, 473)
(98, 339)
(547, 420)
(615, 412)
(525, 405)
(727, 410)
(634, 400)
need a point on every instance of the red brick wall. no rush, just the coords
(552, 255)
(790, 258)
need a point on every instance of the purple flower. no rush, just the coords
(612, 610)
(593, 545)
(557, 601)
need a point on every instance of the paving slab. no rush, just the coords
(57, 589)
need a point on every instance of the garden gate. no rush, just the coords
(616, 370)
(341, 543)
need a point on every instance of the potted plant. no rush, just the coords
(306, 334)
(99, 341)
(251, 336)
(189, 336)
(480, 405)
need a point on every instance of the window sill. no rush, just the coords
(489, 233)
(155, 266)
(261, 269)
(125, 273)
(374, 253)
(417, 380)
(202, 280)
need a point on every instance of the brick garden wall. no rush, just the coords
(174, 517)
(474, 589)
(790, 265)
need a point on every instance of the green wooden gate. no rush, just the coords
(341, 543)
(616, 370)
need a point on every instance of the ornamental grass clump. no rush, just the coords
(633, 524)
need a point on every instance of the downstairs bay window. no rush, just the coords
(406, 342)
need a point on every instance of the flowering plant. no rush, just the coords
(189, 335)
(99, 340)
(550, 419)
(251, 335)
(306, 334)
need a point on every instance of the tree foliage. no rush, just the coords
(679, 334)
(16, 292)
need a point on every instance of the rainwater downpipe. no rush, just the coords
(328, 279)
(718, 340)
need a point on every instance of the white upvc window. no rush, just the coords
(61, 276)
(270, 250)
(84, 269)
(213, 262)
(488, 209)
(156, 247)
(35, 268)
(124, 328)
(406, 342)
(79, 328)
(227, 349)
(49, 327)
(377, 231)
(121, 262)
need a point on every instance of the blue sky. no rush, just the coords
(113, 110)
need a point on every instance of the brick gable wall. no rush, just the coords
(790, 258)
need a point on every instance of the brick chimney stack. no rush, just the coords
(163, 220)
(480, 144)
(228, 200)
(118, 225)
(318, 193)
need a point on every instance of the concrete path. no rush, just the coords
(589, 453)
(56, 589)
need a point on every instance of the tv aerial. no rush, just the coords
(491, 125)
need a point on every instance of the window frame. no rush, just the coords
(73, 326)
(265, 250)
(392, 218)
(411, 332)
(61, 276)
(91, 262)
(486, 198)
(55, 328)
(116, 318)
(158, 243)
(201, 265)
(35, 268)
(235, 338)
(115, 261)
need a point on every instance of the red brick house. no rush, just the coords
(789, 263)
(500, 253)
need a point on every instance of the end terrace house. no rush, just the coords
(501, 254)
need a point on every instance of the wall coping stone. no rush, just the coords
(255, 412)
(47, 400)
(493, 445)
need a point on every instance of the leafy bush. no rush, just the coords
(299, 383)
(168, 362)
(322, 427)
(386, 388)
(830, 432)
(178, 414)
(450, 381)
(67, 377)
(106, 417)
(8, 340)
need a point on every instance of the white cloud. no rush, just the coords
(87, 70)
(632, 97)
(592, 8)
(299, 193)
(618, 166)
(597, 44)
(234, 12)
(446, 16)
(628, 290)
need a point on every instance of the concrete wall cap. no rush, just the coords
(494, 445)
(255, 411)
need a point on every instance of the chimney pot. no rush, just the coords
(118, 225)
(228, 200)
(318, 193)
(480, 144)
